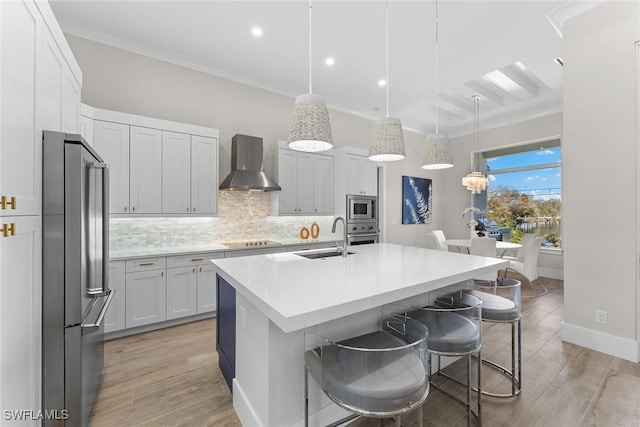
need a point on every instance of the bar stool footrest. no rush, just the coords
(514, 381)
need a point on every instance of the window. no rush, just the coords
(525, 192)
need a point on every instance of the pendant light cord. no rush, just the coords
(476, 127)
(387, 53)
(310, 47)
(436, 67)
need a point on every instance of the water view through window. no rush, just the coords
(525, 191)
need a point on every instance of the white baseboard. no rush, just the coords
(552, 273)
(615, 346)
(245, 411)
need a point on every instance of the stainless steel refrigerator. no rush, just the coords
(75, 281)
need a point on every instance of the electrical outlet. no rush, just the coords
(601, 317)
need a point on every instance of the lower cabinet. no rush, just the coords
(181, 292)
(206, 288)
(146, 298)
(114, 320)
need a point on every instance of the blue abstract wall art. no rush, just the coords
(416, 200)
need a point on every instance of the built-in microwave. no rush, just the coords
(361, 208)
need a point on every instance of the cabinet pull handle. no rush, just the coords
(125, 208)
(194, 269)
(197, 259)
(187, 209)
(193, 210)
(133, 209)
(11, 202)
(8, 230)
(145, 264)
(162, 274)
(200, 269)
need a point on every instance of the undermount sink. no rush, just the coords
(325, 254)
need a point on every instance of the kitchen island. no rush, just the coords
(278, 297)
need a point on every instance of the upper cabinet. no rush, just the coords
(157, 167)
(176, 172)
(145, 170)
(204, 174)
(307, 181)
(39, 89)
(361, 175)
(355, 174)
(111, 141)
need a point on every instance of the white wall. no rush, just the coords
(599, 177)
(119, 80)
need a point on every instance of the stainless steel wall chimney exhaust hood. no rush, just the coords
(246, 166)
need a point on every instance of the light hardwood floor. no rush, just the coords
(170, 377)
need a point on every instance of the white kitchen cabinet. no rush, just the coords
(307, 182)
(176, 172)
(111, 141)
(33, 96)
(204, 175)
(145, 170)
(361, 175)
(181, 292)
(70, 113)
(206, 288)
(20, 311)
(114, 320)
(146, 297)
(288, 180)
(205, 277)
(323, 184)
(86, 129)
(20, 144)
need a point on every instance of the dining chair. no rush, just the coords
(433, 242)
(528, 267)
(522, 251)
(441, 240)
(484, 246)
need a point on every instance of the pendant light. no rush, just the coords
(387, 142)
(476, 182)
(310, 126)
(436, 150)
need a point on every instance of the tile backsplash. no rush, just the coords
(241, 216)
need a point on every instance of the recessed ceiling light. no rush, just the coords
(382, 82)
(329, 61)
(256, 31)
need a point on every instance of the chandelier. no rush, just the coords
(476, 182)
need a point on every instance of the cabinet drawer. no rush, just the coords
(145, 264)
(193, 259)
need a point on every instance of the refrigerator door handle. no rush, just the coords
(93, 327)
(105, 226)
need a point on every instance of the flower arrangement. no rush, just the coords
(473, 224)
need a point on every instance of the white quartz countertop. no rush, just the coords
(296, 292)
(169, 248)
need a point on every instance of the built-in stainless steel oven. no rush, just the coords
(362, 233)
(361, 208)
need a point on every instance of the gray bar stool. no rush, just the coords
(454, 330)
(501, 304)
(382, 374)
